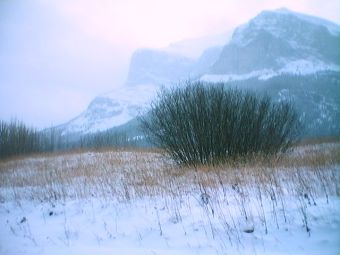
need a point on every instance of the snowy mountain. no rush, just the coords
(111, 109)
(297, 52)
(278, 42)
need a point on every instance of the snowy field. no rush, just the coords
(139, 202)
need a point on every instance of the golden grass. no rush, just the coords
(126, 174)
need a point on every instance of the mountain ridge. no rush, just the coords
(274, 38)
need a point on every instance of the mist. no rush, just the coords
(49, 69)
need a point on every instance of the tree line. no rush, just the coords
(16, 138)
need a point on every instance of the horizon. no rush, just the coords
(60, 55)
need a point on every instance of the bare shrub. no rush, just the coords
(202, 123)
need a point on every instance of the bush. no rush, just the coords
(207, 124)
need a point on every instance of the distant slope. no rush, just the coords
(111, 109)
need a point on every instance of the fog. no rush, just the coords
(55, 56)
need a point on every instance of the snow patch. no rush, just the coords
(305, 67)
(298, 67)
(236, 77)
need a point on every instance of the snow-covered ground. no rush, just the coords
(140, 203)
(149, 226)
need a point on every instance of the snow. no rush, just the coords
(236, 77)
(304, 67)
(116, 214)
(84, 125)
(297, 66)
(148, 227)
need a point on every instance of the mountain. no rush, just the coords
(278, 42)
(111, 109)
(288, 55)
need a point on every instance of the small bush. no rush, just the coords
(207, 124)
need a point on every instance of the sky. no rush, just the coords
(57, 55)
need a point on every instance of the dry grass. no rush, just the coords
(134, 173)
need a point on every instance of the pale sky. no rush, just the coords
(57, 55)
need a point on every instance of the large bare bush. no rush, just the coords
(202, 123)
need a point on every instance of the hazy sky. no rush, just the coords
(57, 55)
